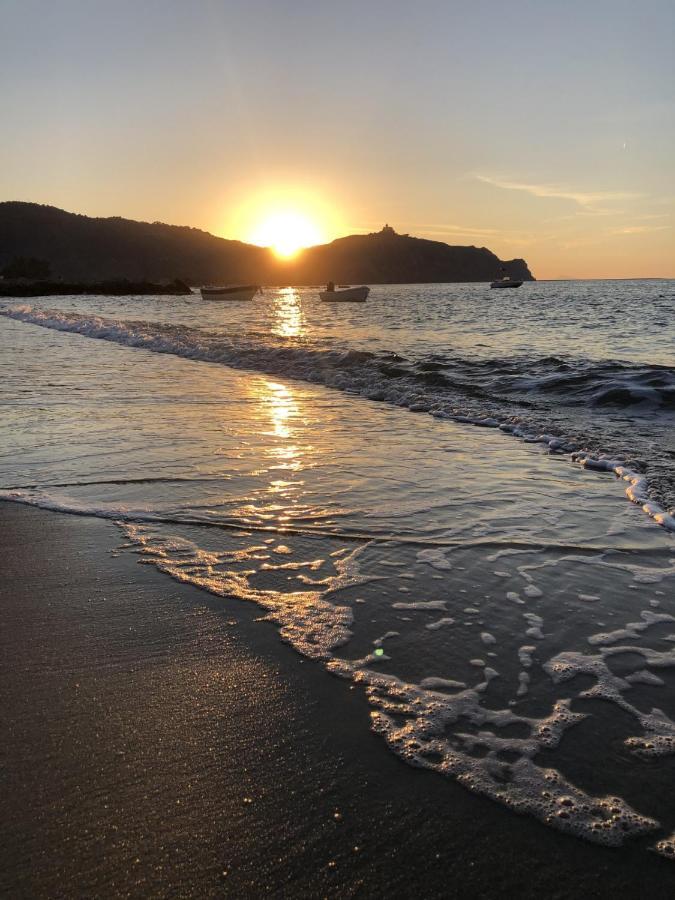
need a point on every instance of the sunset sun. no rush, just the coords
(286, 233)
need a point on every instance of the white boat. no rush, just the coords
(504, 282)
(231, 292)
(351, 295)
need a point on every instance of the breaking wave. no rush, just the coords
(524, 396)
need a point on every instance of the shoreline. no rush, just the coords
(114, 287)
(160, 737)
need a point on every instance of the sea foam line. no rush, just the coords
(347, 370)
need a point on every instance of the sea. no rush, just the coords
(459, 501)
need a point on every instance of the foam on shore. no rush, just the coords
(306, 619)
(487, 762)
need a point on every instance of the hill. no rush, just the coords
(390, 258)
(79, 248)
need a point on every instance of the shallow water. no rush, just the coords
(590, 363)
(510, 617)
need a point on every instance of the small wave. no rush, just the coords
(572, 382)
(388, 377)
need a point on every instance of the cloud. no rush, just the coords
(457, 229)
(640, 229)
(520, 238)
(589, 201)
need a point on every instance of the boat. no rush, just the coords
(351, 295)
(231, 292)
(505, 281)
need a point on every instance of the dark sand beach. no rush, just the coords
(160, 742)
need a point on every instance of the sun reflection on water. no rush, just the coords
(281, 430)
(289, 320)
(280, 407)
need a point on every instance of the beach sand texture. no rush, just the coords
(140, 717)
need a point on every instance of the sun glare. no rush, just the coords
(286, 233)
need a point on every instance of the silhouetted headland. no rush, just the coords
(83, 249)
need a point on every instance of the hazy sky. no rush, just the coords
(539, 129)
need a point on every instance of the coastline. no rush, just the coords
(160, 741)
(117, 287)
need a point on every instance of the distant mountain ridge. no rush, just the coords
(81, 248)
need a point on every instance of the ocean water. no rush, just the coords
(427, 494)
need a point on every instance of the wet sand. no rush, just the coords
(160, 742)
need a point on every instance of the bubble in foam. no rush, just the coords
(440, 623)
(435, 683)
(535, 626)
(632, 629)
(525, 656)
(434, 557)
(666, 847)
(389, 634)
(644, 676)
(422, 604)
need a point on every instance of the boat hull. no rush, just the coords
(505, 284)
(351, 295)
(245, 293)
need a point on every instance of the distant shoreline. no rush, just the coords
(607, 278)
(116, 287)
(124, 288)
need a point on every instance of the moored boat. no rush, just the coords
(351, 295)
(230, 292)
(505, 281)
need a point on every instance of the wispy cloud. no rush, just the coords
(589, 201)
(457, 229)
(640, 229)
(445, 232)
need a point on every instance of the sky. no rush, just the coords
(543, 130)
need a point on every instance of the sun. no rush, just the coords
(286, 232)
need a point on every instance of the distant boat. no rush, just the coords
(351, 295)
(505, 281)
(231, 292)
